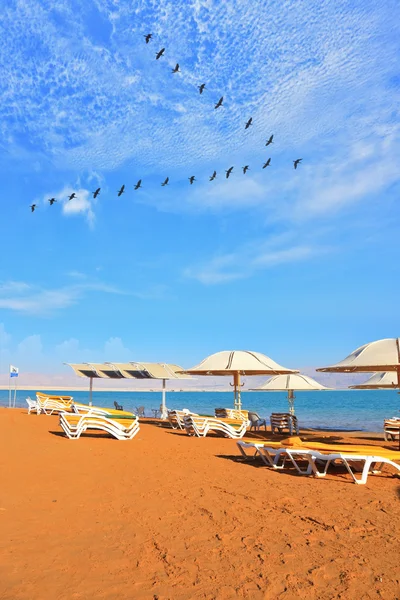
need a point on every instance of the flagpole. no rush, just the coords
(9, 386)
(15, 391)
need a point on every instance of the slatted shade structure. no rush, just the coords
(237, 363)
(130, 370)
(295, 382)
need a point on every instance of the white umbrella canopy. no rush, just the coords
(382, 355)
(378, 381)
(290, 383)
(237, 363)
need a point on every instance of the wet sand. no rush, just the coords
(165, 516)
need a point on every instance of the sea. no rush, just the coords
(346, 410)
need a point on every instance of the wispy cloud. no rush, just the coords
(250, 258)
(302, 71)
(32, 299)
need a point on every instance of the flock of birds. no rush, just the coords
(192, 178)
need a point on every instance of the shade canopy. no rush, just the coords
(382, 355)
(378, 381)
(130, 370)
(150, 370)
(238, 361)
(294, 382)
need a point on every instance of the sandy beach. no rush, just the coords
(165, 516)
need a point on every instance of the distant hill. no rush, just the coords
(68, 381)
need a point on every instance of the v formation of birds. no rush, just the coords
(192, 179)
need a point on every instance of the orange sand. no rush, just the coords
(165, 516)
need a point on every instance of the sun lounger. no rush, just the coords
(32, 405)
(49, 404)
(275, 457)
(391, 429)
(349, 461)
(85, 409)
(231, 413)
(296, 443)
(122, 428)
(201, 426)
(364, 456)
(175, 417)
(284, 421)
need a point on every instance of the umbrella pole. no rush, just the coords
(237, 398)
(163, 402)
(398, 385)
(291, 398)
(90, 391)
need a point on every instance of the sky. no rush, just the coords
(302, 265)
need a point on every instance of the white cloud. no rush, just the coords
(115, 350)
(250, 258)
(82, 204)
(301, 70)
(32, 299)
(31, 354)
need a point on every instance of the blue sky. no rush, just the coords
(301, 265)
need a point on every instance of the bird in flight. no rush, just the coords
(176, 69)
(245, 169)
(267, 163)
(96, 193)
(219, 103)
(297, 162)
(249, 122)
(121, 191)
(228, 172)
(33, 206)
(138, 185)
(269, 140)
(160, 53)
(165, 182)
(213, 176)
(72, 196)
(52, 200)
(191, 179)
(202, 87)
(148, 37)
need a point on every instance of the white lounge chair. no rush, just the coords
(175, 417)
(231, 413)
(48, 404)
(32, 405)
(284, 421)
(366, 462)
(201, 426)
(120, 428)
(391, 429)
(272, 455)
(276, 457)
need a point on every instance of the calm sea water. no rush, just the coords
(341, 409)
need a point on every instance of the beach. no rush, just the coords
(166, 516)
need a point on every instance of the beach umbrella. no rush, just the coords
(381, 356)
(237, 363)
(295, 382)
(378, 381)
